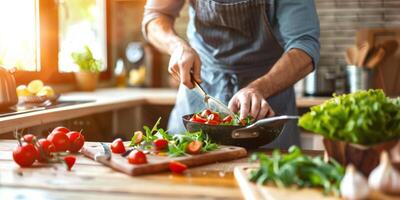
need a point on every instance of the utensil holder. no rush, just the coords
(359, 78)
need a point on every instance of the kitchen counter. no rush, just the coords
(104, 100)
(91, 180)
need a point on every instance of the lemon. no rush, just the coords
(22, 91)
(46, 91)
(35, 86)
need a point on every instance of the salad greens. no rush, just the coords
(295, 168)
(177, 144)
(363, 117)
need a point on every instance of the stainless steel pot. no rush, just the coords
(320, 82)
(359, 78)
(8, 93)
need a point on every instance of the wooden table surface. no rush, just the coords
(91, 180)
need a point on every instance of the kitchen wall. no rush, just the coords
(339, 21)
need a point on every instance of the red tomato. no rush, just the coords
(139, 136)
(137, 157)
(194, 147)
(177, 167)
(160, 144)
(212, 122)
(61, 129)
(206, 113)
(227, 119)
(76, 141)
(47, 147)
(117, 146)
(25, 155)
(198, 118)
(69, 161)
(28, 138)
(60, 141)
(213, 117)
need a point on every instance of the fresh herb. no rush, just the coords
(177, 143)
(295, 168)
(85, 61)
(364, 117)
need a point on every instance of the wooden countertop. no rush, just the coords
(91, 180)
(105, 100)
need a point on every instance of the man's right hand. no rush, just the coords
(184, 61)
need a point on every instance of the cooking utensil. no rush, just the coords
(321, 82)
(8, 91)
(375, 58)
(359, 78)
(258, 134)
(352, 55)
(210, 101)
(157, 163)
(363, 50)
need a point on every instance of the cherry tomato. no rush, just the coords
(177, 167)
(76, 141)
(227, 119)
(137, 157)
(160, 144)
(194, 147)
(47, 147)
(117, 146)
(60, 129)
(139, 136)
(60, 141)
(69, 161)
(29, 138)
(25, 155)
(212, 122)
(206, 113)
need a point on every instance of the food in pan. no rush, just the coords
(211, 117)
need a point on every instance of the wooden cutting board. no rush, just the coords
(252, 191)
(160, 163)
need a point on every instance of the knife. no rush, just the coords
(104, 156)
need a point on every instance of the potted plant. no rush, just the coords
(356, 127)
(89, 68)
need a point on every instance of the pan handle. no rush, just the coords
(270, 120)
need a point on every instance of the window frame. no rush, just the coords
(48, 34)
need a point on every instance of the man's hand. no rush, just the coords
(250, 101)
(184, 61)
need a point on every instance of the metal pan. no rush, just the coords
(258, 134)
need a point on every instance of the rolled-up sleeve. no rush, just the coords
(297, 24)
(156, 8)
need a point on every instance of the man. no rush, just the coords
(247, 53)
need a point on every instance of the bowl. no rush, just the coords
(226, 134)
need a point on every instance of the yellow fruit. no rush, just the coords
(22, 91)
(46, 91)
(35, 86)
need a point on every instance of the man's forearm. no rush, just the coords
(291, 67)
(161, 34)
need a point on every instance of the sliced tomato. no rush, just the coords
(69, 161)
(199, 119)
(206, 113)
(227, 119)
(160, 144)
(137, 157)
(117, 146)
(177, 167)
(194, 147)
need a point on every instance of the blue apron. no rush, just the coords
(236, 46)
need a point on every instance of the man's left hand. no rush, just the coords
(250, 101)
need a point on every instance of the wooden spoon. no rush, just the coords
(364, 49)
(351, 55)
(376, 57)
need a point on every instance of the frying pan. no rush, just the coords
(260, 133)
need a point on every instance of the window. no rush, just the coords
(42, 35)
(18, 37)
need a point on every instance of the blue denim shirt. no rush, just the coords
(294, 22)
